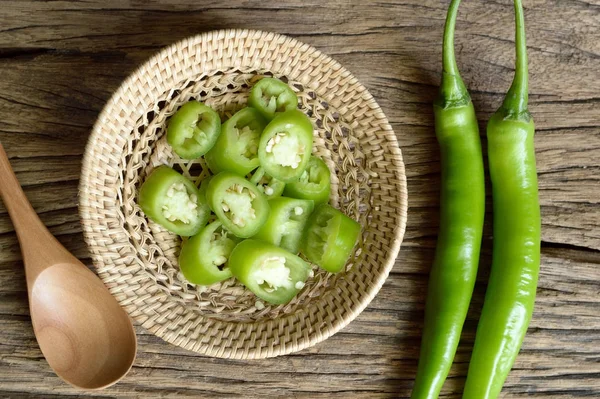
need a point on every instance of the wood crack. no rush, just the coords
(28, 53)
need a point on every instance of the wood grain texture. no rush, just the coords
(60, 62)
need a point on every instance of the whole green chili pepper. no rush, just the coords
(511, 290)
(462, 208)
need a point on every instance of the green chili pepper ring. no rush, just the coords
(329, 238)
(203, 258)
(270, 272)
(193, 130)
(172, 200)
(269, 186)
(314, 183)
(236, 149)
(237, 203)
(285, 146)
(286, 222)
(271, 96)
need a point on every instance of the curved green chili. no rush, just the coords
(511, 290)
(462, 207)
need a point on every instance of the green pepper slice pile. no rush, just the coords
(266, 184)
(271, 96)
(271, 273)
(260, 153)
(285, 146)
(286, 222)
(193, 130)
(236, 148)
(203, 258)
(237, 203)
(173, 201)
(329, 238)
(314, 183)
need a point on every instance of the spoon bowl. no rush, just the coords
(73, 317)
(85, 336)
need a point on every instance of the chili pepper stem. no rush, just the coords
(452, 88)
(515, 102)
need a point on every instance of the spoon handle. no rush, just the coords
(38, 247)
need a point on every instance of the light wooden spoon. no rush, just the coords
(85, 335)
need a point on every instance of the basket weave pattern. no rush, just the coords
(137, 259)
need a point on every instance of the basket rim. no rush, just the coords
(318, 334)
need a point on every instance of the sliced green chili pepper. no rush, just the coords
(267, 185)
(510, 295)
(204, 185)
(237, 203)
(193, 130)
(203, 258)
(286, 222)
(236, 149)
(173, 201)
(271, 96)
(314, 183)
(270, 272)
(462, 208)
(329, 238)
(285, 146)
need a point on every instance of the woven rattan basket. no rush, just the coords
(137, 259)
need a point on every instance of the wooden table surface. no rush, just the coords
(60, 61)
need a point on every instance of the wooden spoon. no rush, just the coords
(85, 335)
